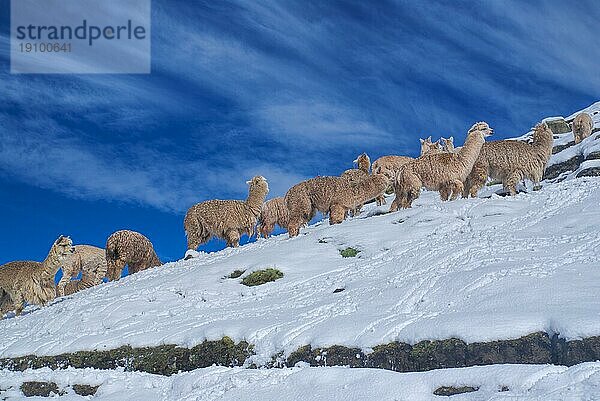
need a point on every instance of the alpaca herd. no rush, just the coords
(451, 171)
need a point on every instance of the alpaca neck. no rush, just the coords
(470, 150)
(255, 200)
(544, 142)
(50, 265)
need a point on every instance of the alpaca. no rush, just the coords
(443, 172)
(333, 195)
(448, 144)
(227, 219)
(582, 126)
(511, 162)
(428, 147)
(32, 282)
(126, 247)
(389, 166)
(354, 176)
(274, 211)
(87, 259)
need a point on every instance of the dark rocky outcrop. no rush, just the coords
(558, 126)
(557, 169)
(84, 389)
(450, 390)
(536, 348)
(40, 389)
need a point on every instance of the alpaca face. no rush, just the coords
(259, 182)
(482, 127)
(448, 144)
(363, 162)
(63, 247)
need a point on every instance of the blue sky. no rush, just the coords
(288, 90)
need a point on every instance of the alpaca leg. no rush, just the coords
(511, 182)
(293, 226)
(456, 189)
(6, 304)
(337, 214)
(411, 195)
(395, 204)
(114, 269)
(233, 238)
(18, 303)
(445, 191)
(380, 200)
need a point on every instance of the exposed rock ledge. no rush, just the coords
(536, 348)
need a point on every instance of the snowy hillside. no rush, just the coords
(477, 269)
(483, 269)
(505, 382)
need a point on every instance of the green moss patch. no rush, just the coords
(236, 273)
(349, 252)
(261, 277)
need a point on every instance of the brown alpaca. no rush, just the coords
(511, 162)
(32, 282)
(354, 176)
(87, 259)
(227, 219)
(448, 144)
(428, 147)
(582, 126)
(389, 166)
(274, 211)
(444, 172)
(126, 247)
(333, 195)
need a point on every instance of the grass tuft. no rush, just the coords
(349, 252)
(261, 277)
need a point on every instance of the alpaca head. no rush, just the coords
(363, 162)
(482, 127)
(62, 247)
(425, 145)
(259, 184)
(542, 132)
(448, 144)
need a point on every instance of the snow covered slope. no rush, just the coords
(500, 382)
(477, 269)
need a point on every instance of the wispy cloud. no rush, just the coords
(289, 91)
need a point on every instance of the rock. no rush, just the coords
(40, 389)
(450, 390)
(558, 125)
(589, 172)
(84, 389)
(535, 348)
(557, 169)
(428, 355)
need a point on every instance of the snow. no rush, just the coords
(524, 382)
(476, 269)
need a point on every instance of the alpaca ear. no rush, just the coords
(429, 139)
(422, 141)
(451, 139)
(248, 182)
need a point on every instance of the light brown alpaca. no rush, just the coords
(227, 219)
(333, 195)
(87, 259)
(582, 126)
(126, 247)
(32, 282)
(389, 166)
(354, 176)
(428, 147)
(274, 211)
(511, 162)
(444, 172)
(448, 144)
